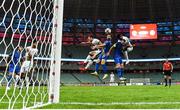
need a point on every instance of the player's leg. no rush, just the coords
(119, 67)
(165, 78)
(169, 78)
(17, 76)
(103, 63)
(23, 72)
(28, 72)
(9, 78)
(88, 61)
(93, 56)
(127, 57)
(97, 65)
(129, 49)
(87, 58)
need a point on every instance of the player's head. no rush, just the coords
(20, 48)
(167, 60)
(108, 37)
(107, 31)
(120, 36)
(34, 45)
(90, 38)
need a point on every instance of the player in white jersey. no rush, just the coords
(27, 65)
(127, 46)
(92, 54)
(112, 77)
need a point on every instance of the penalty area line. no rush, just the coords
(93, 103)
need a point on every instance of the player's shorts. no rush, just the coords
(13, 68)
(167, 72)
(97, 52)
(129, 49)
(118, 60)
(26, 66)
(103, 58)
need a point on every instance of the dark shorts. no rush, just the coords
(13, 68)
(118, 60)
(167, 73)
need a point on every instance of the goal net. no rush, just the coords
(30, 52)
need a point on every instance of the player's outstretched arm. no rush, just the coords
(171, 67)
(110, 50)
(98, 46)
(85, 43)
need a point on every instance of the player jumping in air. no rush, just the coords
(103, 56)
(27, 65)
(118, 57)
(167, 71)
(127, 46)
(93, 54)
(14, 66)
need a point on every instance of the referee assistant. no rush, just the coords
(167, 71)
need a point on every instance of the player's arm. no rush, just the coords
(110, 50)
(100, 46)
(163, 68)
(85, 43)
(171, 67)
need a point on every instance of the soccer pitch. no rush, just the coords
(118, 97)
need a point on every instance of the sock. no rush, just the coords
(90, 62)
(17, 77)
(87, 59)
(169, 82)
(126, 55)
(97, 67)
(104, 68)
(27, 81)
(9, 80)
(165, 81)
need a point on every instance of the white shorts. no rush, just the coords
(97, 52)
(112, 80)
(26, 66)
(129, 49)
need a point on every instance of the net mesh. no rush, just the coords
(21, 23)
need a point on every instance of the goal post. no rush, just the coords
(54, 92)
(30, 53)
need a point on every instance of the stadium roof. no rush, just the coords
(123, 9)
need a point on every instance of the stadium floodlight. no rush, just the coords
(31, 30)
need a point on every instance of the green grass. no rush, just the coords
(106, 94)
(119, 94)
(36, 94)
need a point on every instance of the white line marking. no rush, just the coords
(110, 103)
(119, 103)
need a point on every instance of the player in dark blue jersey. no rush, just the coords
(118, 58)
(14, 66)
(103, 56)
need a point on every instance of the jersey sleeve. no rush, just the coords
(28, 48)
(95, 41)
(114, 45)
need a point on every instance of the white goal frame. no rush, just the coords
(54, 89)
